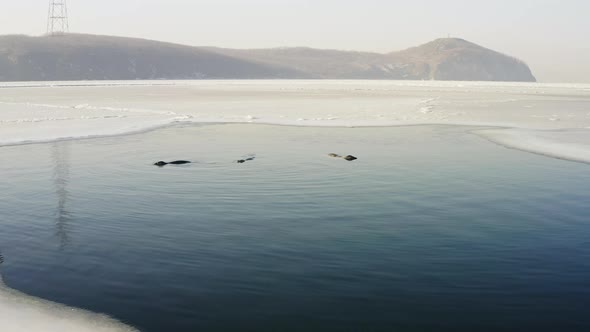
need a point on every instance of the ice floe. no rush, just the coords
(24, 313)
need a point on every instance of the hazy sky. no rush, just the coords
(552, 36)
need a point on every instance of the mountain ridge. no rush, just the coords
(95, 57)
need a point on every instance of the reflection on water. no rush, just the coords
(61, 175)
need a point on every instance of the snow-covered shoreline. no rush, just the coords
(24, 313)
(548, 119)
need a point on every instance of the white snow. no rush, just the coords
(571, 144)
(24, 313)
(540, 118)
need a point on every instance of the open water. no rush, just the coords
(431, 229)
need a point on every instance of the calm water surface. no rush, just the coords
(432, 229)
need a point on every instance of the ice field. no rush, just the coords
(548, 119)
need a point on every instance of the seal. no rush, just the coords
(349, 157)
(176, 162)
(241, 161)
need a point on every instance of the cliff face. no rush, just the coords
(88, 57)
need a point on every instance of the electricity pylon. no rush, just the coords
(57, 19)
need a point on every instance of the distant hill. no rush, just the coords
(442, 59)
(460, 60)
(90, 57)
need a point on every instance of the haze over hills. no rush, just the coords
(442, 59)
(91, 57)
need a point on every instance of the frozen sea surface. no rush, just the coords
(550, 119)
(432, 229)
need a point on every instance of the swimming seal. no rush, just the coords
(176, 162)
(241, 161)
(349, 157)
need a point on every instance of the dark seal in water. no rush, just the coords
(349, 157)
(176, 162)
(241, 161)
